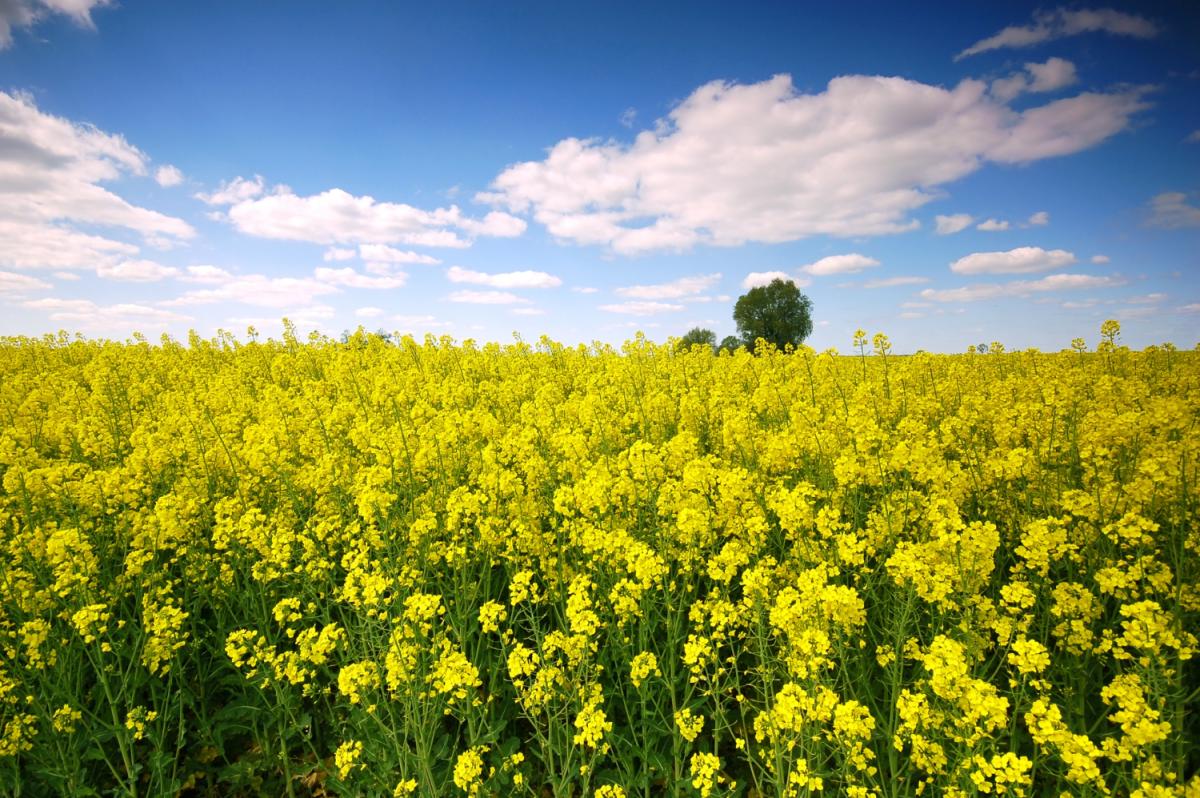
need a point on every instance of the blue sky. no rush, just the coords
(1017, 173)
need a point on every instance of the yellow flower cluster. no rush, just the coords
(373, 567)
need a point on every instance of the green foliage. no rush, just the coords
(697, 335)
(777, 312)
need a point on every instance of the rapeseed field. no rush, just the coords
(435, 568)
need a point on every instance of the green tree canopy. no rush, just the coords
(777, 312)
(697, 335)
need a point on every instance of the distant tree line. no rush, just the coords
(776, 313)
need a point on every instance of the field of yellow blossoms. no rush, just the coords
(311, 567)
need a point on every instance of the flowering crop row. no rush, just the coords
(373, 568)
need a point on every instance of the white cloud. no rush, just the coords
(1145, 299)
(27, 13)
(136, 271)
(1100, 259)
(953, 223)
(368, 312)
(642, 308)
(72, 276)
(1170, 210)
(307, 317)
(584, 289)
(25, 245)
(52, 172)
(891, 282)
(86, 314)
(233, 191)
(168, 176)
(1052, 282)
(1060, 23)
(518, 279)
(258, 290)
(528, 312)
(1054, 74)
(381, 253)
(992, 225)
(338, 217)
(675, 289)
(486, 298)
(765, 163)
(420, 323)
(1068, 126)
(1022, 260)
(494, 225)
(350, 278)
(1039, 219)
(839, 264)
(756, 279)
(1192, 308)
(338, 253)
(208, 275)
(12, 284)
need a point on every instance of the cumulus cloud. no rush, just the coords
(992, 225)
(1100, 259)
(419, 323)
(518, 279)
(839, 264)
(1060, 23)
(52, 177)
(1052, 75)
(381, 253)
(486, 298)
(584, 289)
(1039, 219)
(952, 223)
(258, 290)
(349, 278)
(637, 308)
(1019, 288)
(337, 217)
(339, 253)
(231, 192)
(1170, 210)
(123, 316)
(756, 279)
(13, 284)
(892, 282)
(1022, 260)
(16, 14)
(136, 271)
(205, 274)
(168, 176)
(762, 162)
(675, 289)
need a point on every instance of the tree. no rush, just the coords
(697, 335)
(778, 313)
(730, 343)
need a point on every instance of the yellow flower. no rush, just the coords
(346, 757)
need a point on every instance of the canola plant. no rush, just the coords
(402, 568)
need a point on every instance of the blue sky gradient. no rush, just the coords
(432, 106)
